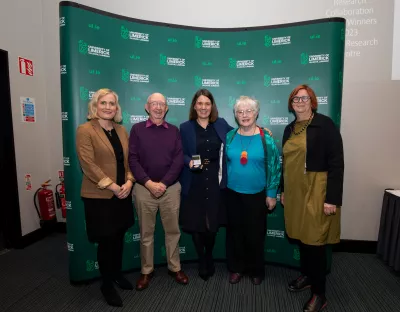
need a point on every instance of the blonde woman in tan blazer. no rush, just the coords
(102, 147)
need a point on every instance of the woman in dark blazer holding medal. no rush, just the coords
(102, 148)
(203, 176)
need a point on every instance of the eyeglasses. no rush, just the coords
(297, 99)
(247, 111)
(157, 103)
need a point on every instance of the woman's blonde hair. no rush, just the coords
(92, 107)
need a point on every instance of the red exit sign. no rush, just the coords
(25, 66)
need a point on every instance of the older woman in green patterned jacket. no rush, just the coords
(254, 170)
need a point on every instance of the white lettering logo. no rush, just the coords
(138, 118)
(320, 58)
(245, 64)
(139, 36)
(62, 21)
(280, 81)
(64, 116)
(176, 101)
(63, 69)
(98, 51)
(66, 161)
(276, 233)
(68, 204)
(91, 93)
(210, 82)
(70, 246)
(322, 100)
(139, 78)
(281, 40)
(213, 44)
(182, 250)
(279, 121)
(136, 237)
(174, 61)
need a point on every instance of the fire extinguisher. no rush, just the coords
(46, 210)
(60, 198)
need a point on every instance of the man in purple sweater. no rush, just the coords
(156, 161)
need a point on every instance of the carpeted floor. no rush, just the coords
(36, 279)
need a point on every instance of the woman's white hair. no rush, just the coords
(248, 101)
(92, 106)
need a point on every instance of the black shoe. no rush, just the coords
(299, 284)
(210, 266)
(123, 283)
(256, 280)
(316, 303)
(204, 275)
(111, 295)
(203, 272)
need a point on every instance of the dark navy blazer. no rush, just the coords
(188, 136)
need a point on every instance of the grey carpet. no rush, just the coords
(36, 279)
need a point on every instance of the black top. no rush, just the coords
(119, 155)
(208, 143)
(324, 153)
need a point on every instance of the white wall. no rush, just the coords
(21, 27)
(369, 126)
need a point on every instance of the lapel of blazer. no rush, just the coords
(100, 132)
(218, 128)
(192, 137)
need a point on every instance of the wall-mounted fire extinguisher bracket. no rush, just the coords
(60, 198)
(46, 211)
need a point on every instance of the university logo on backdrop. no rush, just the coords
(85, 48)
(70, 247)
(208, 44)
(276, 81)
(85, 94)
(276, 41)
(205, 82)
(175, 101)
(233, 63)
(275, 121)
(63, 69)
(134, 35)
(305, 58)
(322, 100)
(132, 237)
(91, 265)
(172, 61)
(138, 118)
(127, 76)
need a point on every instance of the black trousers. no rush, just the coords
(247, 223)
(109, 256)
(313, 264)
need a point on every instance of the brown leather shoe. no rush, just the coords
(235, 278)
(144, 281)
(180, 277)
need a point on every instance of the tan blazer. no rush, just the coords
(97, 158)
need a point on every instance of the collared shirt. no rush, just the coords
(150, 123)
(155, 152)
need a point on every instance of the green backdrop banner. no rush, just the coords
(136, 58)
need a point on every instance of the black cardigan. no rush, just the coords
(324, 153)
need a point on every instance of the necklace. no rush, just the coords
(109, 132)
(244, 155)
(305, 126)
